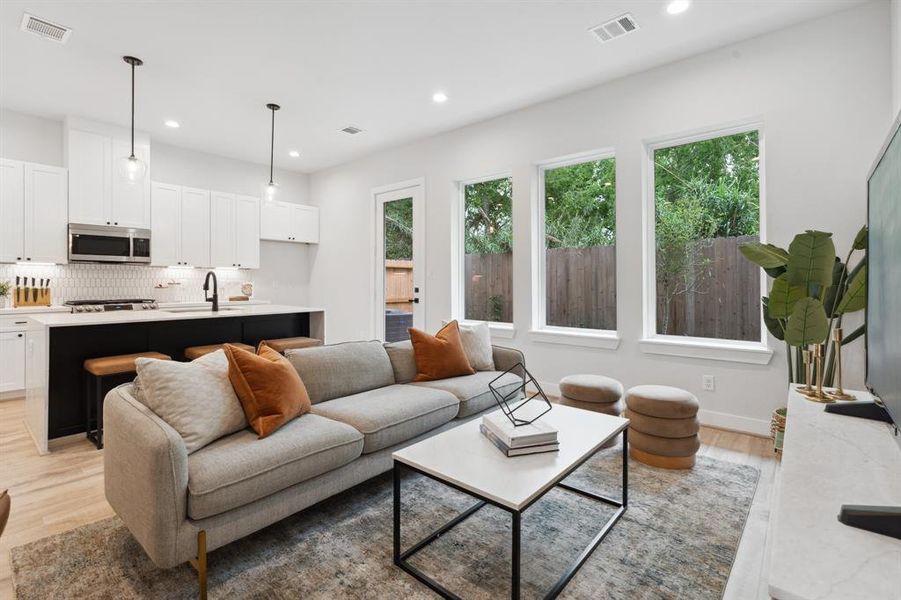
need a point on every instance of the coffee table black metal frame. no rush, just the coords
(400, 557)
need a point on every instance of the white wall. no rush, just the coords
(821, 90)
(896, 55)
(283, 275)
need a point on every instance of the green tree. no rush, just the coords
(399, 229)
(580, 205)
(488, 218)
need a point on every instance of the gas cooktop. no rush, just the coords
(80, 306)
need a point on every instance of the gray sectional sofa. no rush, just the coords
(365, 406)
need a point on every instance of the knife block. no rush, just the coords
(28, 296)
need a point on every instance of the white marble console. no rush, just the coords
(830, 460)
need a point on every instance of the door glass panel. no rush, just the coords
(398, 254)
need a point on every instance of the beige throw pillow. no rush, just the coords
(196, 399)
(477, 345)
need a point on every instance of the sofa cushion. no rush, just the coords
(402, 360)
(441, 355)
(472, 390)
(241, 468)
(342, 369)
(392, 414)
(477, 345)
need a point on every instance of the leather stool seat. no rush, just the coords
(192, 352)
(291, 343)
(121, 363)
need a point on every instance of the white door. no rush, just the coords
(12, 210)
(90, 164)
(130, 200)
(247, 232)
(46, 216)
(166, 220)
(195, 227)
(275, 221)
(222, 230)
(400, 260)
(305, 224)
(12, 367)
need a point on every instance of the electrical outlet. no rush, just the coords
(709, 383)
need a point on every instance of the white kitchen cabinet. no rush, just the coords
(234, 230)
(12, 210)
(33, 212)
(181, 225)
(12, 367)
(289, 222)
(98, 195)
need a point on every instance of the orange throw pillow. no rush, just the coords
(268, 386)
(441, 355)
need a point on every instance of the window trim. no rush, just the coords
(749, 351)
(541, 331)
(501, 329)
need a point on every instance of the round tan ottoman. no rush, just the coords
(663, 428)
(595, 393)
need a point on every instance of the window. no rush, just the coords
(706, 204)
(578, 251)
(488, 250)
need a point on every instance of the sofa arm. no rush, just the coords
(145, 474)
(505, 358)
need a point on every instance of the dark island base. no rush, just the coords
(70, 346)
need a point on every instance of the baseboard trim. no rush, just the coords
(708, 418)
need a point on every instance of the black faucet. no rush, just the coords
(206, 288)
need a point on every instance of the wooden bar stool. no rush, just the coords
(291, 343)
(96, 371)
(193, 352)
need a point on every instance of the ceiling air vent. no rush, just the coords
(352, 130)
(615, 28)
(45, 29)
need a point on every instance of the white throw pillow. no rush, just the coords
(477, 345)
(195, 398)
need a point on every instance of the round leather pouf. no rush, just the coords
(666, 428)
(591, 388)
(662, 446)
(612, 408)
(662, 401)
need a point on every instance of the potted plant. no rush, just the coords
(4, 293)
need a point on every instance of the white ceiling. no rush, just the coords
(214, 65)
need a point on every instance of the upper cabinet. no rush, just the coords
(97, 194)
(181, 226)
(234, 230)
(33, 222)
(289, 222)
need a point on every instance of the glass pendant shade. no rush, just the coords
(132, 169)
(271, 190)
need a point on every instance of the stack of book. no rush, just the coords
(517, 441)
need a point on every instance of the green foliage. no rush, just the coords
(807, 324)
(775, 326)
(811, 257)
(855, 297)
(580, 205)
(399, 229)
(4, 288)
(488, 216)
(766, 256)
(783, 297)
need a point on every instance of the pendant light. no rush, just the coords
(131, 168)
(272, 187)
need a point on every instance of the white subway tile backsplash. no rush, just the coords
(107, 282)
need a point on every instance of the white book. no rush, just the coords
(535, 433)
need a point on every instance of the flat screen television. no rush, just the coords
(883, 313)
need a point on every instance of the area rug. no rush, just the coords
(677, 540)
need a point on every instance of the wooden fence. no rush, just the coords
(399, 285)
(581, 291)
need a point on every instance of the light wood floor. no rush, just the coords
(64, 490)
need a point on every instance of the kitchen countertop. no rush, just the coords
(28, 310)
(227, 309)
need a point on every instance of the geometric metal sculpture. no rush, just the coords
(504, 399)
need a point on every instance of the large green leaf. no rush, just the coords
(766, 256)
(860, 240)
(783, 297)
(856, 296)
(807, 324)
(773, 325)
(834, 292)
(811, 257)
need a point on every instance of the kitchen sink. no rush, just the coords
(204, 310)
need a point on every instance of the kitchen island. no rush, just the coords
(58, 344)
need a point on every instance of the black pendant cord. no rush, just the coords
(132, 111)
(272, 148)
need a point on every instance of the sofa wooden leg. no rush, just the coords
(199, 563)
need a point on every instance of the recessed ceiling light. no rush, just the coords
(293, 153)
(173, 124)
(439, 97)
(678, 6)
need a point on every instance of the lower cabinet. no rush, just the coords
(234, 230)
(12, 367)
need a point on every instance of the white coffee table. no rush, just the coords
(464, 459)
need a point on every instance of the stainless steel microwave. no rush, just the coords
(104, 243)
